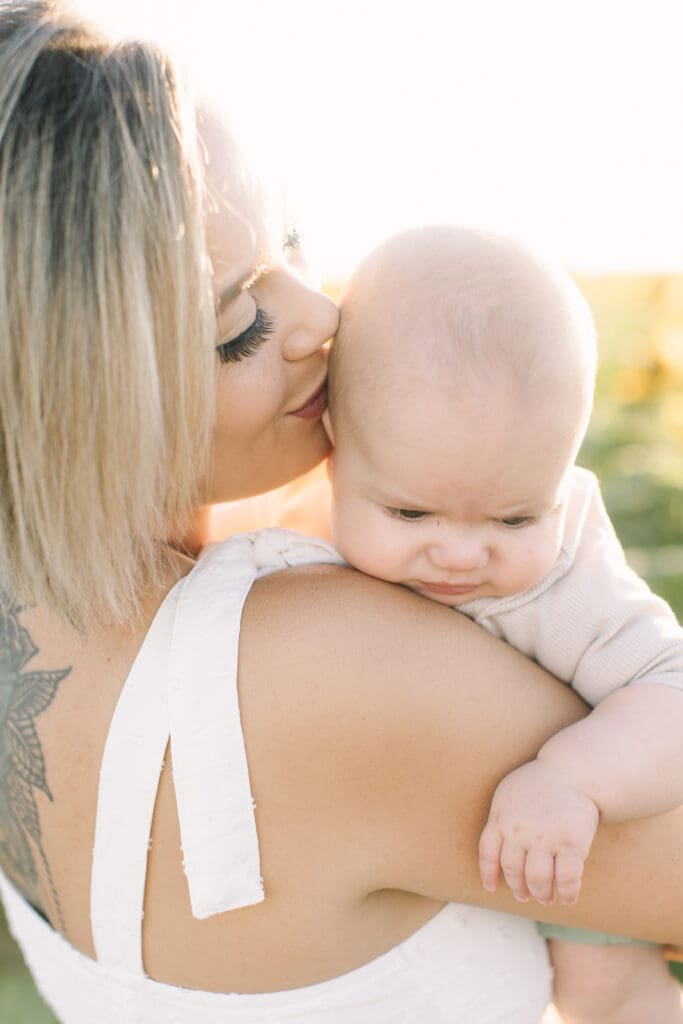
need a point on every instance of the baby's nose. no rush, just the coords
(459, 553)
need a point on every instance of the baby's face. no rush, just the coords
(455, 500)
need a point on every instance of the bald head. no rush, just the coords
(463, 315)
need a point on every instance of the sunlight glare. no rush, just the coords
(554, 121)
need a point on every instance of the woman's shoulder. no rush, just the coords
(374, 686)
(334, 638)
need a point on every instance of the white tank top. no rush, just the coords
(464, 966)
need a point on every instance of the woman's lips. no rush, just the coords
(315, 406)
(449, 589)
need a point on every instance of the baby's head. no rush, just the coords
(461, 384)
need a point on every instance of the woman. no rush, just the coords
(122, 407)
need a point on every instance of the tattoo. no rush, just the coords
(23, 696)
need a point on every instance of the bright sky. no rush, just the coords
(559, 121)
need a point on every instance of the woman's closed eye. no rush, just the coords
(246, 343)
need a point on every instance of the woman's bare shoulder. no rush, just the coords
(326, 625)
(357, 704)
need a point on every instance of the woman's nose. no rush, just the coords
(314, 321)
(459, 552)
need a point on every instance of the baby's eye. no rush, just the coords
(410, 515)
(515, 522)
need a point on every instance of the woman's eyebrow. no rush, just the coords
(234, 290)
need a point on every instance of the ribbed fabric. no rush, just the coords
(465, 966)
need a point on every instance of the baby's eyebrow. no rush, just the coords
(393, 500)
(541, 508)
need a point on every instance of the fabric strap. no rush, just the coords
(183, 687)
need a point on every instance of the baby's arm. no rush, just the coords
(627, 755)
(600, 628)
(625, 760)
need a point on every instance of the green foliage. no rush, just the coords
(635, 441)
(19, 1001)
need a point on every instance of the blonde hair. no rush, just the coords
(106, 317)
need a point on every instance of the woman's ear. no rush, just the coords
(327, 423)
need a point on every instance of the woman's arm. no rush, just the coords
(387, 721)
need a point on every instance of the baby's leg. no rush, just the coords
(614, 984)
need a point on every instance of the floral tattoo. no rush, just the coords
(23, 696)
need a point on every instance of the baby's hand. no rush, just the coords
(539, 833)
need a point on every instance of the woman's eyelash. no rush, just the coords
(246, 343)
(292, 240)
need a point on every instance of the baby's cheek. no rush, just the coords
(537, 563)
(362, 545)
(385, 560)
(349, 531)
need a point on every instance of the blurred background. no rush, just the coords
(555, 121)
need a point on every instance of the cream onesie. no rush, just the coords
(591, 621)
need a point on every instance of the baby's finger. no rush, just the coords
(539, 870)
(512, 861)
(568, 872)
(490, 845)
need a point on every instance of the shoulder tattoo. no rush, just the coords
(23, 696)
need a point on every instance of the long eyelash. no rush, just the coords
(247, 343)
(293, 239)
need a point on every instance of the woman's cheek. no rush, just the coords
(250, 399)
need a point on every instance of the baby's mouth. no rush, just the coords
(448, 589)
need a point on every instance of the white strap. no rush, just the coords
(129, 778)
(210, 774)
(215, 805)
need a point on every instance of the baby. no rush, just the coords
(461, 385)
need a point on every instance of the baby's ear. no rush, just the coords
(327, 423)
